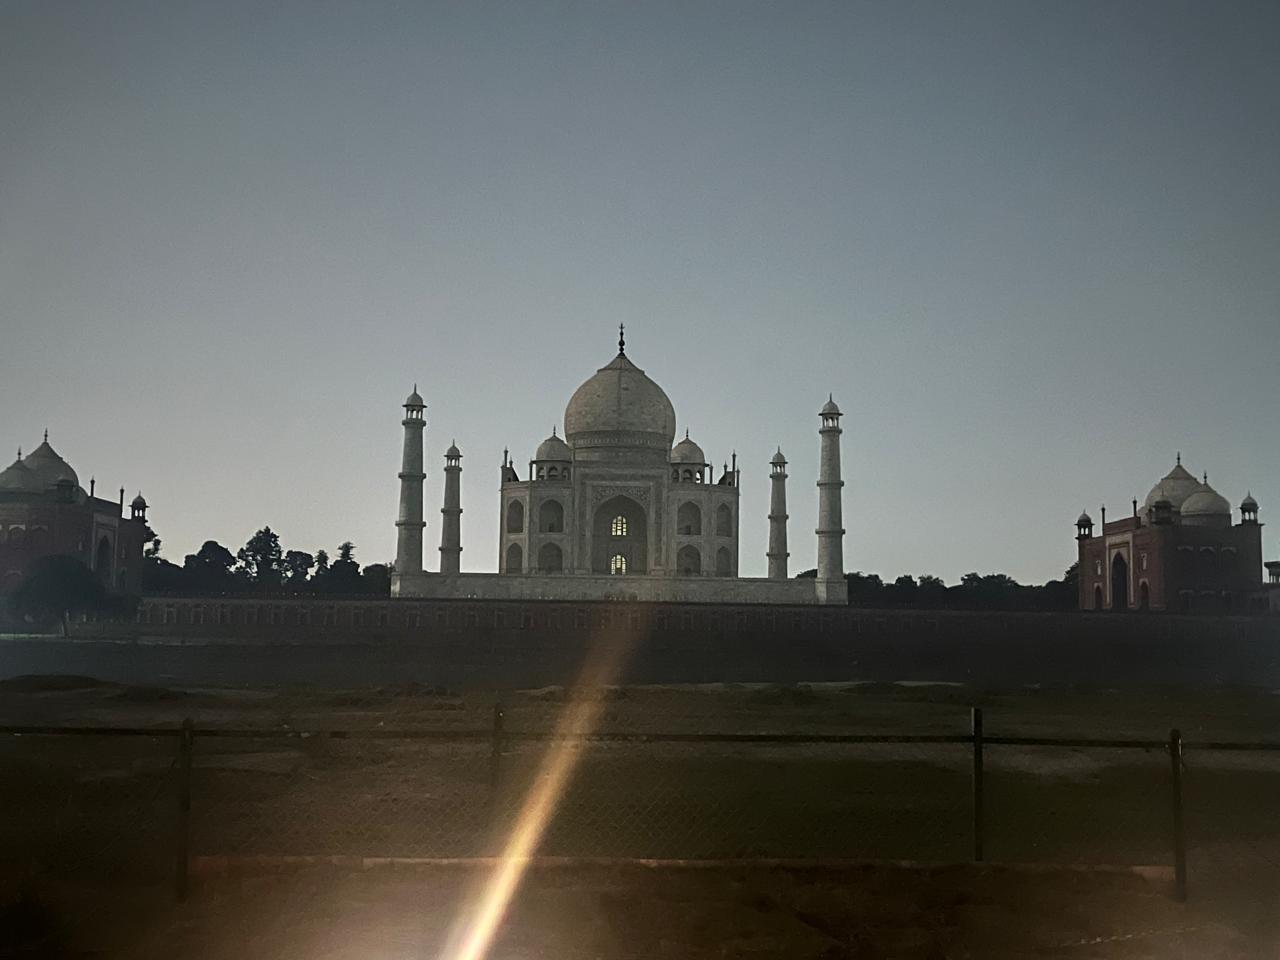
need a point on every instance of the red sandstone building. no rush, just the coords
(44, 511)
(1180, 551)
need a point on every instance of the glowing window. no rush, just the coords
(619, 529)
(618, 563)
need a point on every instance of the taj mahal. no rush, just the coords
(617, 509)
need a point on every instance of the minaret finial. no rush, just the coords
(622, 340)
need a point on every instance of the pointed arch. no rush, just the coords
(102, 560)
(689, 561)
(515, 517)
(1119, 582)
(515, 559)
(620, 528)
(724, 563)
(724, 520)
(689, 519)
(550, 558)
(551, 517)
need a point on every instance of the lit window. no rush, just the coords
(619, 529)
(619, 563)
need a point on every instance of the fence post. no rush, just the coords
(979, 825)
(1179, 834)
(495, 756)
(185, 747)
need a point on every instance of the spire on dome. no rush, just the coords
(622, 340)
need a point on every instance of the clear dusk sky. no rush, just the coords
(1033, 249)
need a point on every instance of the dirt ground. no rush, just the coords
(85, 811)
(692, 914)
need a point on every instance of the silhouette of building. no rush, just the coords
(617, 509)
(1178, 551)
(45, 511)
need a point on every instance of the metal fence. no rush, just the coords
(153, 805)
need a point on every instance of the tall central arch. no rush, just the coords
(620, 537)
(1119, 582)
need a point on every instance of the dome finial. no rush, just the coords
(46, 434)
(1206, 478)
(1179, 458)
(622, 340)
(553, 429)
(19, 453)
(686, 433)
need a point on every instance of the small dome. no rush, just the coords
(778, 459)
(1084, 520)
(18, 478)
(1248, 503)
(829, 409)
(139, 502)
(414, 399)
(453, 452)
(49, 468)
(686, 451)
(620, 406)
(1206, 506)
(1176, 486)
(553, 448)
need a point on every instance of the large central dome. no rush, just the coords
(620, 406)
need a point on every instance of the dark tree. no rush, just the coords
(344, 573)
(865, 589)
(209, 569)
(375, 579)
(57, 587)
(297, 567)
(158, 574)
(902, 592)
(261, 559)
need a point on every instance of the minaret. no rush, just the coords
(409, 525)
(778, 517)
(831, 583)
(451, 529)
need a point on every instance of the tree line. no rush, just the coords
(975, 591)
(262, 565)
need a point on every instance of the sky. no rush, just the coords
(1032, 249)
